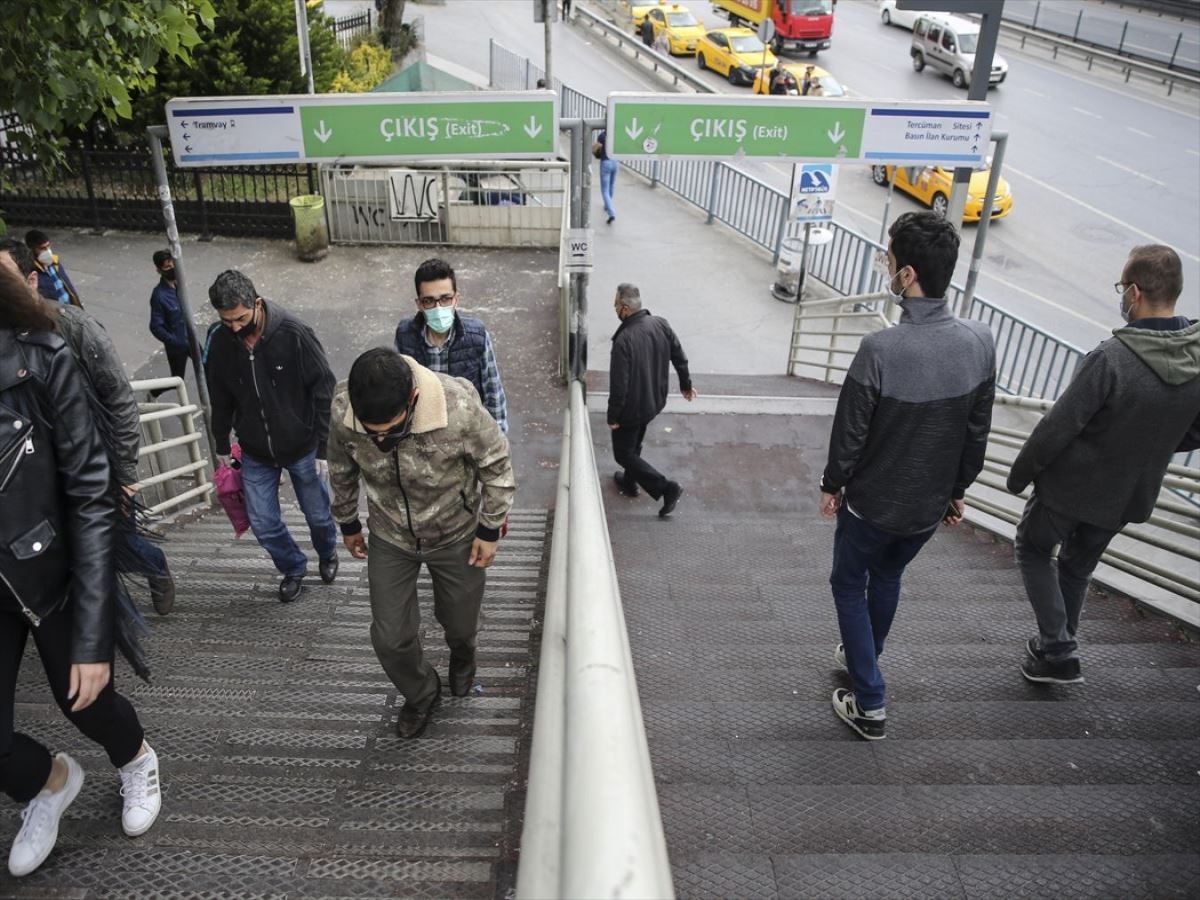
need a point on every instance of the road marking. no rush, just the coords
(1086, 112)
(984, 273)
(1035, 93)
(1140, 98)
(1193, 152)
(1131, 171)
(1139, 131)
(1121, 222)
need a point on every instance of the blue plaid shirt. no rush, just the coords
(493, 391)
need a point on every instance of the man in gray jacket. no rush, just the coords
(1098, 457)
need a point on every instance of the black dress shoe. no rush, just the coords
(328, 569)
(411, 721)
(462, 678)
(670, 499)
(625, 486)
(290, 588)
(162, 592)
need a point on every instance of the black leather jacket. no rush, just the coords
(56, 513)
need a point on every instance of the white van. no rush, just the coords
(947, 43)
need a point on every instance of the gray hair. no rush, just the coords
(231, 290)
(629, 296)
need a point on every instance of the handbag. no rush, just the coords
(231, 494)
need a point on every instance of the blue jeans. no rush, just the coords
(260, 481)
(608, 180)
(867, 566)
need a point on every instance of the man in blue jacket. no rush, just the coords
(53, 281)
(167, 322)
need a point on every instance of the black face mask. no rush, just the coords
(168, 274)
(390, 439)
(247, 330)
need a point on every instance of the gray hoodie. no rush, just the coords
(1099, 455)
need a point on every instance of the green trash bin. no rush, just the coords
(312, 237)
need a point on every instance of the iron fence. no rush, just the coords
(349, 29)
(114, 187)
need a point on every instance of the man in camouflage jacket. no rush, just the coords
(439, 485)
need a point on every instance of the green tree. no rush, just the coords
(67, 62)
(252, 50)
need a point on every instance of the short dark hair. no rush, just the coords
(20, 254)
(433, 270)
(160, 257)
(1157, 270)
(231, 290)
(35, 238)
(928, 243)
(380, 385)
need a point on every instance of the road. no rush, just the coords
(1096, 166)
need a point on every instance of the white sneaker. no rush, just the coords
(839, 656)
(140, 788)
(39, 831)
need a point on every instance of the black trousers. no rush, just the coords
(177, 359)
(110, 721)
(627, 450)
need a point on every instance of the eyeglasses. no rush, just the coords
(1122, 286)
(431, 302)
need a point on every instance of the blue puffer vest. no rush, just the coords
(466, 350)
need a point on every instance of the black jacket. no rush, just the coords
(275, 396)
(913, 417)
(56, 513)
(638, 377)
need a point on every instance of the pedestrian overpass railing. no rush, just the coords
(177, 474)
(592, 824)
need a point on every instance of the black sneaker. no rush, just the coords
(162, 592)
(1047, 671)
(670, 499)
(290, 588)
(626, 487)
(846, 708)
(328, 569)
(1033, 650)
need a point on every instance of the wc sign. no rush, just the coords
(813, 189)
(579, 250)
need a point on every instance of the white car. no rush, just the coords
(889, 15)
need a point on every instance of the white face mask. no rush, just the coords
(46, 257)
(881, 267)
(1126, 311)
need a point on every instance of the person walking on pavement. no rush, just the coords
(908, 438)
(639, 379)
(647, 32)
(439, 484)
(441, 338)
(269, 380)
(56, 577)
(1097, 458)
(167, 322)
(566, 9)
(115, 416)
(608, 174)
(53, 281)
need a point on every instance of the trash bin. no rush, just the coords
(787, 274)
(312, 236)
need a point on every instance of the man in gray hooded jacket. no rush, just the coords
(1098, 457)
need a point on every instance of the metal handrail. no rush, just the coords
(155, 448)
(592, 823)
(657, 61)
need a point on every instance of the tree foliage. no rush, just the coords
(367, 66)
(253, 49)
(67, 62)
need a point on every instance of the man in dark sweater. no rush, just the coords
(908, 438)
(1097, 458)
(638, 381)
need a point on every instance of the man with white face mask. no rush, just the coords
(441, 338)
(53, 282)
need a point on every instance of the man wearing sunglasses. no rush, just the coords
(441, 338)
(1098, 457)
(439, 484)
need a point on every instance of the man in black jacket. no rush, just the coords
(908, 438)
(1098, 457)
(638, 381)
(269, 380)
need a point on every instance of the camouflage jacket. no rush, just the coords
(451, 478)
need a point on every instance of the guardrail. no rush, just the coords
(657, 61)
(592, 823)
(160, 452)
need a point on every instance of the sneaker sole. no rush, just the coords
(1050, 679)
(72, 792)
(854, 726)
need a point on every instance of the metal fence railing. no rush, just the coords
(176, 474)
(349, 29)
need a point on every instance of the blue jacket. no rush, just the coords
(166, 316)
(47, 287)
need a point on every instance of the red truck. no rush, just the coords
(799, 24)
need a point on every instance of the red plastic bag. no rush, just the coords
(229, 491)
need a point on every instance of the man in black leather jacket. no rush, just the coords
(56, 577)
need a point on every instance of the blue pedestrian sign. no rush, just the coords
(813, 188)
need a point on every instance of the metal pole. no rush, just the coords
(305, 48)
(1078, 20)
(989, 34)
(1171, 64)
(156, 133)
(1037, 9)
(803, 263)
(887, 204)
(585, 219)
(1121, 43)
(1001, 140)
(549, 10)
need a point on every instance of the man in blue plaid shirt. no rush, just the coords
(440, 338)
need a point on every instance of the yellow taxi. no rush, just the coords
(823, 84)
(736, 53)
(932, 186)
(681, 28)
(639, 10)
